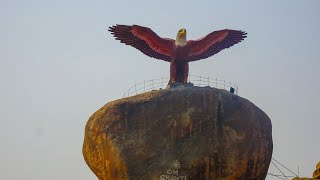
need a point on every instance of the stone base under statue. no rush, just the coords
(182, 132)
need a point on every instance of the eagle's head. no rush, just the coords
(181, 37)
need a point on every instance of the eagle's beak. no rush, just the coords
(182, 33)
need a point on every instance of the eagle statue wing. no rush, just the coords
(145, 40)
(213, 43)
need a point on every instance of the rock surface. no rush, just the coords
(194, 133)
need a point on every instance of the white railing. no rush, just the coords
(161, 83)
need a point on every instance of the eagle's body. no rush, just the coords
(178, 52)
(179, 67)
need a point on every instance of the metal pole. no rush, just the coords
(216, 82)
(135, 88)
(161, 82)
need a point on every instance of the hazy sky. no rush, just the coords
(59, 64)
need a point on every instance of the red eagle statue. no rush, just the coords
(178, 52)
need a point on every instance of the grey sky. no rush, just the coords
(58, 65)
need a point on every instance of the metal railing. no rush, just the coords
(161, 83)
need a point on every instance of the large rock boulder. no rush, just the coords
(184, 132)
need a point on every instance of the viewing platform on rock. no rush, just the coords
(194, 80)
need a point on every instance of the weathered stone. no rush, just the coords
(212, 134)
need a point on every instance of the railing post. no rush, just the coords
(161, 82)
(216, 83)
(135, 88)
